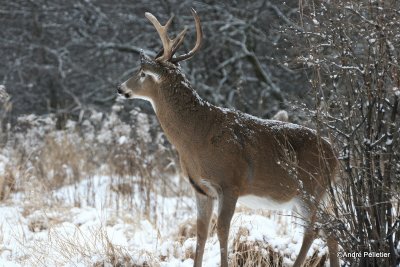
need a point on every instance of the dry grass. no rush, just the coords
(5, 108)
(257, 253)
(246, 253)
(62, 162)
(72, 245)
(60, 158)
(107, 146)
(7, 183)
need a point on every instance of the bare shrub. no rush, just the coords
(352, 50)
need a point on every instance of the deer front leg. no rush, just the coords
(227, 204)
(204, 212)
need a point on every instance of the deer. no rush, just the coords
(230, 156)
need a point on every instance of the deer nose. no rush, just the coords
(119, 90)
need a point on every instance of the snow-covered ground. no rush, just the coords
(90, 224)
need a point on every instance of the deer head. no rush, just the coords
(145, 83)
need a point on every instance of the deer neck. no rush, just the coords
(183, 115)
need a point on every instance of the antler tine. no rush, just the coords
(179, 40)
(177, 43)
(199, 38)
(163, 33)
(166, 26)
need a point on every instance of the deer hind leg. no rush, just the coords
(227, 204)
(333, 251)
(204, 212)
(309, 236)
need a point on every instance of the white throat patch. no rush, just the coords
(147, 99)
(135, 96)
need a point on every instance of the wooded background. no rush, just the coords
(66, 57)
(333, 65)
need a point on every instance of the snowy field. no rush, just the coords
(56, 210)
(93, 224)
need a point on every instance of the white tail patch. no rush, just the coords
(256, 202)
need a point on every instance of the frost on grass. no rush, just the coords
(91, 195)
(4, 96)
(96, 232)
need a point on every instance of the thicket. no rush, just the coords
(352, 48)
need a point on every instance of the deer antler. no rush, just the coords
(199, 39)
(171, 46)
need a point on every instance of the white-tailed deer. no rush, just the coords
(228, 155)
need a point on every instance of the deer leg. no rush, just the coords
(227, 204)
(204, 212)
(333, 251)
(308, 238)
(309, 235)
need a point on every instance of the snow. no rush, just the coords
(7, 263)
(316, 22)
(3, 163)
(396, 91)
(64, 233)
(122, 140)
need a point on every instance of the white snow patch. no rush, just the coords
(122, 140)
(3, 163)
(396, 91)
(82, 235)
(389, 141)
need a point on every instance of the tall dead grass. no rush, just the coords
(140, 162)
(7, 179)
(39, 160)
(249, 253)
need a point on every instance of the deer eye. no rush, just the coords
(142, 74)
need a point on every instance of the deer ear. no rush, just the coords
(143, 58)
